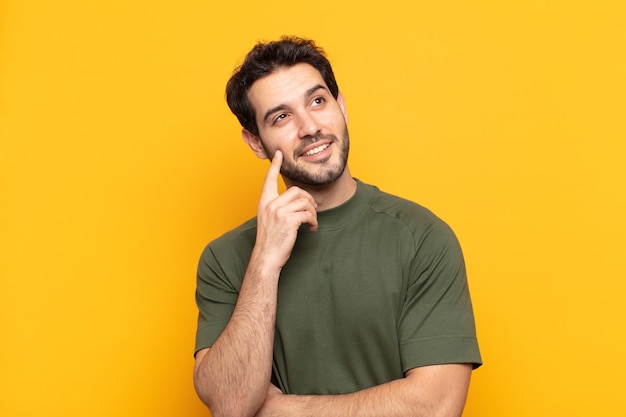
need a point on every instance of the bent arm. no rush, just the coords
(232, 377)
(429, 391)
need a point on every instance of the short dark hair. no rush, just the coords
(263, 60)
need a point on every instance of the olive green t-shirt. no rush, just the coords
(379, 289)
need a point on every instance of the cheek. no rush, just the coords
(281, 139)
(336, 120)
(271, 145)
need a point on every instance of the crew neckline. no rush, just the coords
(346, 212)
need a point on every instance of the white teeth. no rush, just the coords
(316, 150)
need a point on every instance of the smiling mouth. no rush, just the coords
(316, 150)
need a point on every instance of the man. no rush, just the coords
(337, 299)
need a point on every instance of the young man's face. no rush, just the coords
(296, 114)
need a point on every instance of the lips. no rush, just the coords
(314, 145)
(316, 150)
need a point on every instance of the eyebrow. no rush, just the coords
(280, 107)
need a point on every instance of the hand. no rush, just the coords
(280, 216)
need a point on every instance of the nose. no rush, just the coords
(308, 125)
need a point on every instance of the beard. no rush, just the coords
(318, 174)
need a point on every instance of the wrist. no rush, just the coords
(264, 263)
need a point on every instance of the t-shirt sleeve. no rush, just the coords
(215, 297)
(437, 321)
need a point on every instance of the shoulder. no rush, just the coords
(223, 261)
(417, 221)
(238, 241)
(413, 214)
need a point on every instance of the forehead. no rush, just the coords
(284, 86)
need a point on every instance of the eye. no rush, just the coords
(279, 118)
(318, 101)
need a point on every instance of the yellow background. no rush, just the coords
(119, 161)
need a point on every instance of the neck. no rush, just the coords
(330, 195)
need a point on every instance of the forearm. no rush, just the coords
(383, 400)
(426, 393)
(233, 376)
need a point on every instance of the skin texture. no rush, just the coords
(302, 129)
(294, 107)
(232, 377)
(438, 390)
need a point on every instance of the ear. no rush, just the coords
(254, 142)
(342, 105)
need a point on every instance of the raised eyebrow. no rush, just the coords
(280, 107)
(273, 110)
(313, 90)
